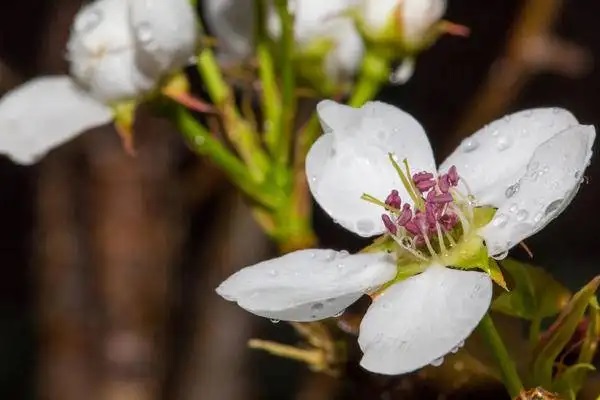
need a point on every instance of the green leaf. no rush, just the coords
(535, 293)
(589, 345)
(560, 333)
(566, 383)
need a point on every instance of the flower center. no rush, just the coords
(440, 217)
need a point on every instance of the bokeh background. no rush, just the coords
(109, 263)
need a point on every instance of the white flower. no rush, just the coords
(413, 18)
(118, 50)
(232, 23)
(529, 165)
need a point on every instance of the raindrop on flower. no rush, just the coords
(553, 206)
(512, 190)
(503, 143)
(500, 220)
(500, 256)
(88, 21)
(343, 254)
(437, 362)
(522, 215)
(469, 145)
(330, 255)
(144, 33)
(317, 307)
(513, 208)
(273, 272)
(339, 313)
(275, 321)
(528, 113)
(538, 217)
(555, 110)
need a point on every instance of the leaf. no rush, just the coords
(565, 384)
(560, 333)
(589, 345)
(535, 295)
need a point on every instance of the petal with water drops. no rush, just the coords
(43, 114)
(418, 321)
(351, 159)
(494, 158)
(550, 182)
(307, 285)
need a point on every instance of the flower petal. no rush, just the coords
(163, 47)
(351, 158)
(307, 285)
(232, 23)
(552, 179)
(421, 319)
(43, 114)
(102, 55)
(495, 157)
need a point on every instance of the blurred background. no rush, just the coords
(110, 262)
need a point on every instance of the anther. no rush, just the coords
(393, 199)
(389, 224)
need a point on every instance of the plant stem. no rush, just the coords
(510, 377)
(374, 73)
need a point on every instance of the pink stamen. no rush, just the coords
(453, 177)
(422, 176)
(393, 199)
(389, 224)
(405, 216)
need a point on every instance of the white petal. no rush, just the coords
(307, 285)
(102, 55)
(421, 319)
(377, 14)
(165, 32)
(43, 114)
(552, 179)
(232, 23)
(418, 16)
(351, 158)
(495, 157)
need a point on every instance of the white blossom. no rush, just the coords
(528, 165)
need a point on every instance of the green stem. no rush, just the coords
(534, 331)
(374, 73)
(239, 131)
(202, 142)
(288, 82)
(271, 99)
(510, 377)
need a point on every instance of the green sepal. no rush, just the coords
(566, 382)
(560, 333)
(535, 293)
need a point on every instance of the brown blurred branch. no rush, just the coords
(135, 223)
(531, 48)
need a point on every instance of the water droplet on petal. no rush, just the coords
(273, 272)
(577, 174)
(555, 110)
(538, 217)
(500, 256)
(528, 113)
(343, 254)
(317, 307)
(553, 206)
(468, 145)
(513, 208)
(503, 143)
(275, 321)
(330, 255)
(512, 190)
(339, 313)
(437, 362)
(522, 215)
(500, 221)
(495, 132)
(88, 21)
(144, 33)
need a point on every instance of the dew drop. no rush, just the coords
(273, 272)
(503, 143)
(275, 321)
(500, 221)
(339, 313)
(528, 113)
(538, 217)
(522, 215)
(144, 33)
(317, 307)
(513, 208)
(88, 21)
(330, 255)
(495, 132)
(553, 206)
(555, 110)
(500, 256)
(365, 225)
(313, 255)
(512, 190)
(577, 174)
(340, 266)
(437, 362)
(199, 140)
(469, 145)
(313, 178)
(343, 254)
